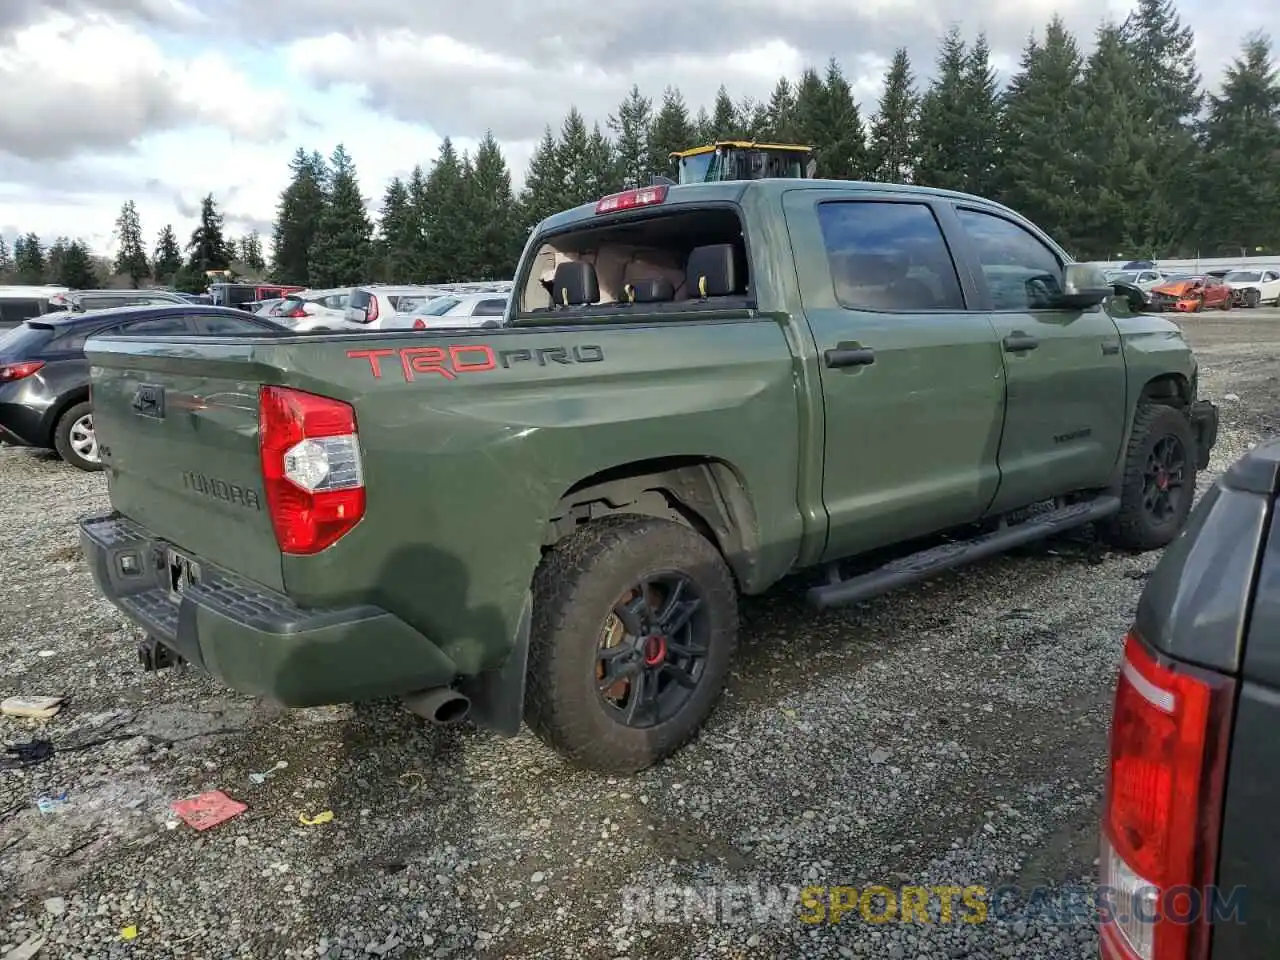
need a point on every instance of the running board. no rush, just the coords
(926, 563)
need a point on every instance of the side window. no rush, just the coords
(212, 326)
(1022, 273)
(491, 308)
(888, 256)
(1269, 276)
(157, 326)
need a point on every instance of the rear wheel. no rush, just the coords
(1159, 480)
(635, 621)
(75, 440)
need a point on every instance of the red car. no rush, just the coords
(1191, 294)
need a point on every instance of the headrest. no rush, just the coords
(717, 270)
(575, 284)
(868, 269)
(650, 290)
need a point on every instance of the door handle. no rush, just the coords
(1018, 341)
(850, 357)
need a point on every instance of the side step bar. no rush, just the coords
(926, 563)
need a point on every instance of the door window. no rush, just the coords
(888, 256)
(1022, 273)
(15, 310)
(157, 326)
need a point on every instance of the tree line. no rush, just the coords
(69, 263)
(1117, 154)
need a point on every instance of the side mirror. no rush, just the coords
(1083, 286)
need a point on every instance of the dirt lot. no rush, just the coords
(952, 733)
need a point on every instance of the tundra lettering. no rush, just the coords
(221, 490)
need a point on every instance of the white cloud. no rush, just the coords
(75, 84)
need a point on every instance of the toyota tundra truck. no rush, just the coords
(696, 391)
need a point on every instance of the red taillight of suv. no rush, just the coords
(1162, 813)
(19, 371)
(311, 467)
(371, 311)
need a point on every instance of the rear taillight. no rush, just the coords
(371, 311)
(1163, 805)
(19, 371)
(297, 313)
(311, 468)
(419, 324)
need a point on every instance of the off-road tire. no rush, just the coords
(62, 437)
(1134, 528)
(575, 589)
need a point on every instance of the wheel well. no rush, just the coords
(703, 493)
(1170, 389)
(79, 395)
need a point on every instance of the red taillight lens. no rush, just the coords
(371, 312)
(1161, 817)
(18, 371)
(629, 199)
(311, 467)
(419, 324)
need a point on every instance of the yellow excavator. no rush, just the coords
(744, 160)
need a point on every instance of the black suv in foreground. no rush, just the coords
(1190, 865)
(44, 374)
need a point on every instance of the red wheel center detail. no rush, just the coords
(1162, 480)
(655, 650)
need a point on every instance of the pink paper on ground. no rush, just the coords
(208, 809)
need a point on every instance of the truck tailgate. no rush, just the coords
(177, 426)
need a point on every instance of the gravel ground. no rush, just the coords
(951, 733)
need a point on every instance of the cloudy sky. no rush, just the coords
(162, 101)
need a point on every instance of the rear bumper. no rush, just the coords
(255, 640)
(21, 421)
(1204, 421)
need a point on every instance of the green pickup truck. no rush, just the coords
(696, 391)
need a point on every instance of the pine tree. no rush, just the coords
(839, 136)
(703, 132)
(1163, 51)
(579, 161)
(53, 259)
(809, 114)
(982, 120)
(28, 260)
(543, 192)
(415, 231)
(131, 256)
(942, 129)
(393, 246)
(340, 253)
(1113, 179)
(496, 243)
(6, 261)
(894, 144)
(780, 114)
(297, 217)
(446, 228)
(250, 252)
(167, 259)
(672, 131)
(1240, 171)
(724, 118)
(1042, 121)
(75, 268)
(600, 166)
(752, 118)
(632, 128)
(208, 249)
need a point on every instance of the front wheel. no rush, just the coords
(1252, 298)
(1159, 480)
(635, 620)
(75, 440)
